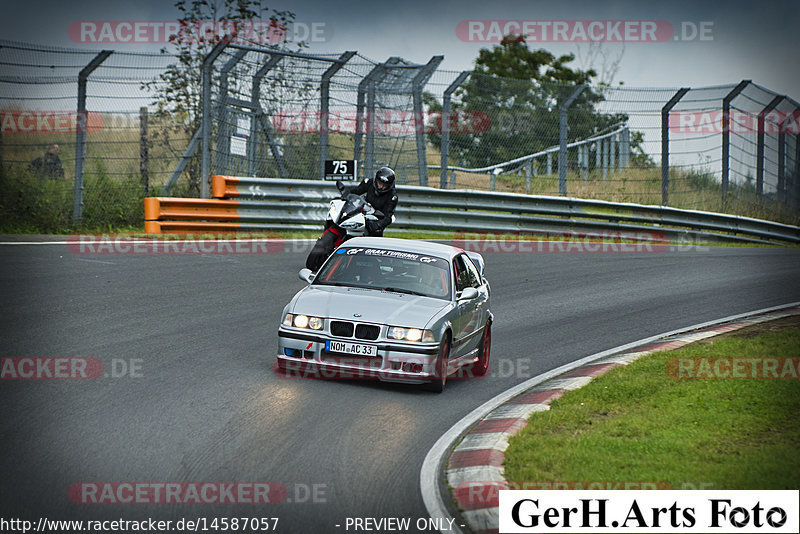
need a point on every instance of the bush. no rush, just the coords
(31, 204)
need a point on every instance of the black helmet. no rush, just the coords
(385, 176)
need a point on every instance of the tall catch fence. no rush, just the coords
(272, 113)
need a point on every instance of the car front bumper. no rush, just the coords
(303, 354)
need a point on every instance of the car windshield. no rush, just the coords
(387, 270)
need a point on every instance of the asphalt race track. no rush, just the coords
(194, 337)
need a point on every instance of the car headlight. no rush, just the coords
(303, 321)
(410, 334)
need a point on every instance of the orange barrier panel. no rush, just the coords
(188, 227)
(224, 186)
(160, 208)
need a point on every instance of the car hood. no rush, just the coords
(374, 306)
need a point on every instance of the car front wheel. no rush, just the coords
(481, 367)
(440, 373)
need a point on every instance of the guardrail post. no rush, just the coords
(726, 138)
(665, 143)
(324, 108)
(562, 151)
(80, 132)
(549, 164)
(205, 127)
(760, 143)
(452, 179)
(446, 104)
(604, 144)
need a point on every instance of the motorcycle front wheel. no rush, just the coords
(321, 250)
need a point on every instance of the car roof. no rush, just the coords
(404, 245)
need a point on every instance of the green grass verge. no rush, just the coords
(638, 424)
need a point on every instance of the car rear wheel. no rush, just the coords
(481, 367)
(440, 373)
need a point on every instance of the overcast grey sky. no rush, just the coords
(742, 40)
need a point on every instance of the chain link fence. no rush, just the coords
(273, 113)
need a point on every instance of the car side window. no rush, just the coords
(462, 276)
(466, 274)
(474, 276)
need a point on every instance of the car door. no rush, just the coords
(468, 325)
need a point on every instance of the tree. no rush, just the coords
(203, 24)
(519, 90)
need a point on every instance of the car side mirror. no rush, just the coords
(306, 275)
(468, 294)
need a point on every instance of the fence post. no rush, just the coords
(255, 107)
(324, 108)
(366, 91)
(420, 79)
(797, 172)
(562, 150)
(625, 148)
(528, 173)
(726, 138)
(781, 193)
(598, 156)
(144, 142)
(446, 103)
(612, 152)
(223, 124)
(604, 144)
(205, 128)
(80, 132)
(760, 143)
(549, 164)
(585, 162)
(665, 143)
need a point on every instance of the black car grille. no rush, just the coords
(367, 331)
(361, 331)
(341, 328)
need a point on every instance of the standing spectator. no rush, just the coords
(49, 165)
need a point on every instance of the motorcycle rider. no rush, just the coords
(381, 195)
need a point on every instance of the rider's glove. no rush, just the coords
(372, 227)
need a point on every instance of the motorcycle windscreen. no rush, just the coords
(354, 204)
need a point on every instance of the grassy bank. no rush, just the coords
(640, 424)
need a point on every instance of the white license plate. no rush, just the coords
(355, 349)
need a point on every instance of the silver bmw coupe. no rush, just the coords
(398, 310)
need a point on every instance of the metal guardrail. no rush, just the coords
(257, 204)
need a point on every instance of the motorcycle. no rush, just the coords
(347, 217)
